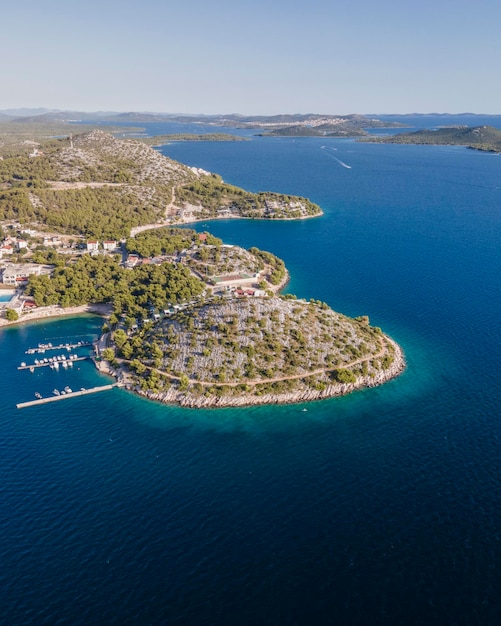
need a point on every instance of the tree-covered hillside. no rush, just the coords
(95, 185)
(485, 138)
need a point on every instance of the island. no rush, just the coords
(161, 140)
(485, 138)
(92, 221)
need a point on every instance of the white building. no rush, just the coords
(18, 274)
(5, 250)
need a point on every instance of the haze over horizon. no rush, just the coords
(253, 59)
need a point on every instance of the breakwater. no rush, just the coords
(66, 396)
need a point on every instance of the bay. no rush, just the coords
(382, 507)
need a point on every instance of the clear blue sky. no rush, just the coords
(259, 57)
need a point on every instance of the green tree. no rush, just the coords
(11, 315)
(108, 354)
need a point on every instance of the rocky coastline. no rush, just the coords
(187, 400)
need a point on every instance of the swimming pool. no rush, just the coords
(5, 296)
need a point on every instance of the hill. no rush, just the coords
(95, 185)
(326, 126)
(254, 351)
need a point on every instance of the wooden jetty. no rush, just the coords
(66, 396)
(49, 363)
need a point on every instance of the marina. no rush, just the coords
(53, 362)
(66, 395)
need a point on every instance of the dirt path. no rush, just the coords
(253, 383)
(60, 185)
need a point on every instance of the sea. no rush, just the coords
(378, 508)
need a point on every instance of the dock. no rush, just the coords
(66, 396)
(43, 347)
(49, 363)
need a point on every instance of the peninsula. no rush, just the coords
(58, 184)
(191, 320)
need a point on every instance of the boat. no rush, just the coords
(38, 395)
(68, 389)
(32, 369)
(56, 392)
(23, 364)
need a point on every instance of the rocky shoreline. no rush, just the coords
(184, 399)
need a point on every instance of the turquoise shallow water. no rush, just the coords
(378, 508)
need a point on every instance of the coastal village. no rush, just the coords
(241, 274)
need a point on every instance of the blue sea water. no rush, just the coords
(383, 507)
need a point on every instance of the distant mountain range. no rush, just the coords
(299, 124)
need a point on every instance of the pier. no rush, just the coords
(66, 396)
(43, 347)
(53, 363)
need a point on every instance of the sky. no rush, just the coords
(253, 58)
